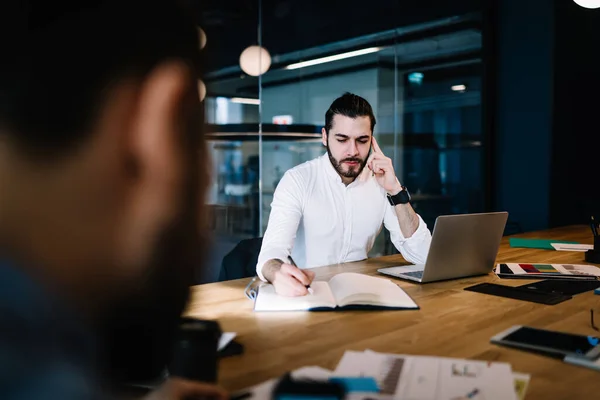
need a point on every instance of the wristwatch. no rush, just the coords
(402, 197)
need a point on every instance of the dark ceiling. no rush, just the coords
(291, 25)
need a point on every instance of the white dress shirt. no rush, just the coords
(320, 221)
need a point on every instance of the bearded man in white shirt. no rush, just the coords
(330, 210)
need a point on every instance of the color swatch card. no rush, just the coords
(533, 271)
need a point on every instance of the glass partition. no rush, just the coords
(423, 80)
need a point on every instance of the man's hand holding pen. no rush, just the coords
(292, 281)
(288, 279)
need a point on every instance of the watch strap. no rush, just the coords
(402, 197)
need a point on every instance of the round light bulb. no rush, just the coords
(255, 60)
(201, 38)
(588, 3)
(201, 90)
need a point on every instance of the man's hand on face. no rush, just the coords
(383, 169)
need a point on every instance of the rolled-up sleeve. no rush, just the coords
(286, 212)
(415, 248)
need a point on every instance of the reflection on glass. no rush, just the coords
(233, 197)
(234, 193)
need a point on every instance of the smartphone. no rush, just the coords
(555, 343)
(195, 356)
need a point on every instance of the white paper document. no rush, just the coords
(431, 378)
(407, 377)
(572, 247)
(225, 339)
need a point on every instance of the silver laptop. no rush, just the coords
(461, 245)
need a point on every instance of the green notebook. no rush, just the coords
(536, 243)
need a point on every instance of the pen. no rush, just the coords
(468, 396)
(310, 290)
(594, 228)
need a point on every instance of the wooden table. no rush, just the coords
(451, 322)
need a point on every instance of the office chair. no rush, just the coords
(512, 228)
(240, 262)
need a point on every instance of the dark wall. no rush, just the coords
(545, 134)
(575, 191)
(522, 139)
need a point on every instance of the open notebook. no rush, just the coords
(347, 290)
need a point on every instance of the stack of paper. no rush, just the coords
(414, 378)
(434, 378)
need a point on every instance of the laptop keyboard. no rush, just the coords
(414, 274)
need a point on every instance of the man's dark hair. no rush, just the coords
(59, 61)
(349, 105)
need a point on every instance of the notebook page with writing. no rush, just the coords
(350, 288)
(268, 300)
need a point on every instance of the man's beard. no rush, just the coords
(352, 171)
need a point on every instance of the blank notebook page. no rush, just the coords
(268, 300)
(352, 287)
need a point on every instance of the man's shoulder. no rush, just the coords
(53, 351)
(303, 174)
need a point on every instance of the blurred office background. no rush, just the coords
(479, 103)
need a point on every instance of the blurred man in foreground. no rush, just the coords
(99, 196)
